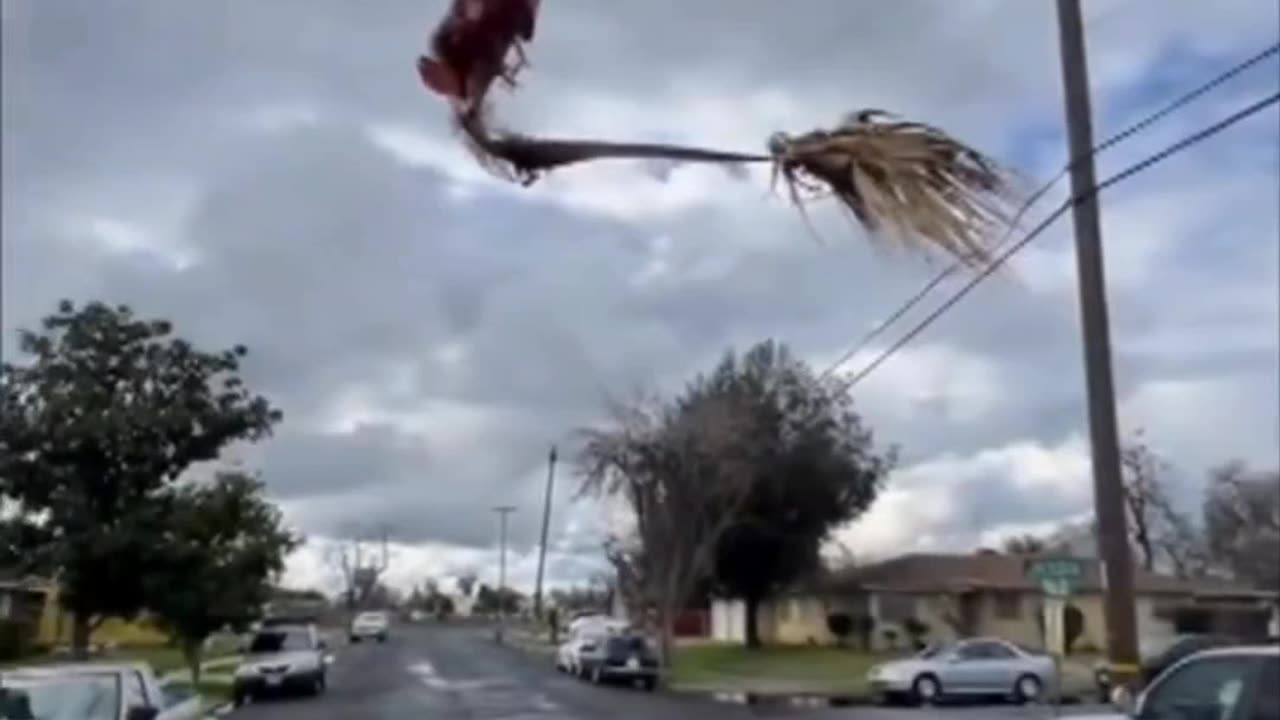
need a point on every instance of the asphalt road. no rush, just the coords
(456, 673)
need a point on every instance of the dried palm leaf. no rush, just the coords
(905, 181)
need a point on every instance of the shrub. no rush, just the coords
(917, 630)
(840, 625)
(864, 626)
(1073, 626)
(891, 638)
(16, 641)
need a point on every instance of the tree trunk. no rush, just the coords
(191, 652)
(666, 636)
(752, 620)
(81, 628)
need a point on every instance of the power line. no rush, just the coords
(1035, 197)
(1128, 172)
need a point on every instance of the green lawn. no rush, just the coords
(162, 658)
(779, 669)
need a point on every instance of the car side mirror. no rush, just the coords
(142, 712)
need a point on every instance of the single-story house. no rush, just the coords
(22, 600)
(953, 596)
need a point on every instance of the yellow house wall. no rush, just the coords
(55, 628)
(801, 620)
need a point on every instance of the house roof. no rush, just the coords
(984, 571)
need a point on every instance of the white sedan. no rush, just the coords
(370, 625)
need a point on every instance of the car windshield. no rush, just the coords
(68, 697)
(371, 617)
(280, 640)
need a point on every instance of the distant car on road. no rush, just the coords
(371, 625)
(281, 658)
(625, 657)
(586, 642)
(1232, 683)
(92, 691)
(972, 667)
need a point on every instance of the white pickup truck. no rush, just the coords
(93, 691)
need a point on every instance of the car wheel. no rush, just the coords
(355, 639)
(382, 638)
(926, 689)
(1027, 689)
(239, 697)
(650, 684)
(318, 685)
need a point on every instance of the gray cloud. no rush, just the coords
(456, 329)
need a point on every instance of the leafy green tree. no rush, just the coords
(104, 414)
(816, 469)
(223, 546)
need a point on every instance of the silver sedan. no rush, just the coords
(972, 667)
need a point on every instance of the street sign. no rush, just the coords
(1056, 587)
(1056, 576)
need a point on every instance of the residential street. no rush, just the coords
(449, 673)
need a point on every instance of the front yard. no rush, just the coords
(803, 670)
(772, 670)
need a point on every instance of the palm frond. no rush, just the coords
(908, 181)
(905, 181)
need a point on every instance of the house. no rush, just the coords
(988, 594)
(21, 600)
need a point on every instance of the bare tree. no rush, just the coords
(361, 567)
(1143, 496)
(680, 468)
(1160, 533)
(1242, 523)
(466, 583)
(1025, 545)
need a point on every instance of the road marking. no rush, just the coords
(495, 692)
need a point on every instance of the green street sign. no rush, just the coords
(1060, 568)
(1056, 576)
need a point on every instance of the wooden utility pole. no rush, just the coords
(503, 511)
(1108, 488)
(546, 521)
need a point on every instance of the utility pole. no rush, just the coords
(503, 511)
(1108, 488)
(546, 521)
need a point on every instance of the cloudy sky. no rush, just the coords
(272, 173)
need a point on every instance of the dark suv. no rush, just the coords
(628, 658)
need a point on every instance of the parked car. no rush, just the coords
(370, 625)
(1155, 655)
(281, 658)
(624, 657)
(93, 691)
(972, 667)
(1233, 683)
(586, 643)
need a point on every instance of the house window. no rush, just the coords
(6, 605)
(1008, 606)
(896, 607)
